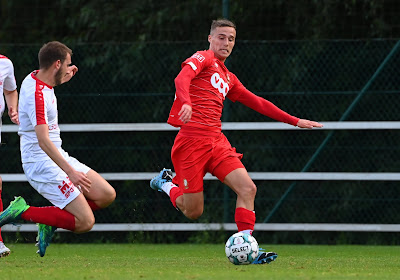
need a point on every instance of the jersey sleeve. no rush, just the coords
(199, 61)
(36, 105)
(182, 84)
(9, 81)
(236, 88)
(191, 67)
(239, 93)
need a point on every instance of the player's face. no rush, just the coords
(62, 71)
(222, 40)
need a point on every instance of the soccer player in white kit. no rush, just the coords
(8, 86)
(73, 188)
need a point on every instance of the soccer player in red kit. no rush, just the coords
(200, 147)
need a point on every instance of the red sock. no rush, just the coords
(93, 205)
(174, 194)
(1, 210)
(51, 215)
(245, 219)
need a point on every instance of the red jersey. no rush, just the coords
(211, 84)
(208, 89)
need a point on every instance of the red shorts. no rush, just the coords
(193, 157)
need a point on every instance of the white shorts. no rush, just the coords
(48, 179)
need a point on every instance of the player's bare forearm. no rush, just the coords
(302, 123)
(12, 104)
(79, 179)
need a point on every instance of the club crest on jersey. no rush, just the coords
(219, 83)
(199, 57)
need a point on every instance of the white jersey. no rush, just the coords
(37, 105)
(7, 82)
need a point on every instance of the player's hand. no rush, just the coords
(302, 123)
(71, 71)
(80, 180)
(13, 114)
(185, 113)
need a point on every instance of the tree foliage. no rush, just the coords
(171, 20)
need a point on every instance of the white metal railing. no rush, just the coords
(104, 127)
(224, 226)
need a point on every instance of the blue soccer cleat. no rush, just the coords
(45, 234)
(13, 212)
(265, 257)
(162, 178)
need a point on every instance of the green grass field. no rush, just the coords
(185, 261)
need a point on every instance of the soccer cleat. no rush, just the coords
(265, 257)
(45, 234)
(13, 212)
(164, 177)
(4, 251)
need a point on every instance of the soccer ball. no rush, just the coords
(241, 248)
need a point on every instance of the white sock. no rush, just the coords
(248, 231)
(166, 187)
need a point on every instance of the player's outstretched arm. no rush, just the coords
(302, 123)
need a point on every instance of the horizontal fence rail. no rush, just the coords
(104, 127)
(224, 226)
(268, 176)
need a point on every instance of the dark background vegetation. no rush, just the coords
(88, 21)
(311, 58)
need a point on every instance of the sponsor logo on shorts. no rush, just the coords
(66, 188)
(185, 183)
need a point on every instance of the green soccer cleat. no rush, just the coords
(13, 212)
(45, 234)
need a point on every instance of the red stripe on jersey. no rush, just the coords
(3, 56)
(39, 104)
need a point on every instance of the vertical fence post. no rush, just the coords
(225, 118)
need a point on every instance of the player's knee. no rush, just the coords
(85, 225)
(109, 198)
(253, 189)
(1, 183)
(249, 191)
(112, 195)
(194, 214)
